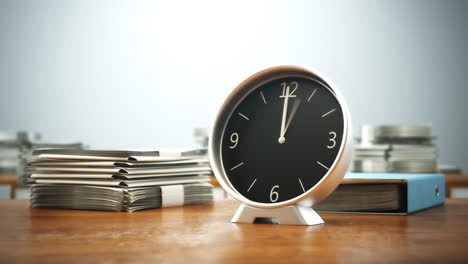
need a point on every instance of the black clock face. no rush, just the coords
(282, 139)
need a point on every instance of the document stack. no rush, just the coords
(400, 149)
(10, 145)
(25, 154)
(201, 136)
(118, 180)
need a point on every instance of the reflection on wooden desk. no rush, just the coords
(203, 234)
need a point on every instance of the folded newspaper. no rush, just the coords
(117, 180)
(27, 149)
(396, 149)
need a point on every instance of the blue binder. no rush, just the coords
(422, 190)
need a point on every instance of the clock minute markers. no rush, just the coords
(310, 97)
(237, 166)
(263, 97)
(319, 163)
(243, 116)
(252, 185)
(329, 112)
(300, 182)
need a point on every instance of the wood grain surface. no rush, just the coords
(203, 234)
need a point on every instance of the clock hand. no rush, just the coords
(282, 139)
(293, 112)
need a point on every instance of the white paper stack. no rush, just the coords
(118, 180)
(25, 155)
(10, 145)
(201, 136)
(400, 149)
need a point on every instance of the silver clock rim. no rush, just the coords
(337, 170)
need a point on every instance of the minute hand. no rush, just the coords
(282, 139)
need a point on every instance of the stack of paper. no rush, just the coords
(25, 154)
(402, 149)
(118, 180)
(10, 145)
(201, 136)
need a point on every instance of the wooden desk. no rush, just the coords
(12, 180)
(203, 234)
(455, 180)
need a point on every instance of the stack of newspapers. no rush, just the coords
(201, 136)
(25, 154)
(396, 148)
(113, 180)
(10, 149)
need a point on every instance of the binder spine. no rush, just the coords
(424, 192)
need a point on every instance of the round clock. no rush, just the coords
(282, 135)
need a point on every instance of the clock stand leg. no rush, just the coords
(288, 215)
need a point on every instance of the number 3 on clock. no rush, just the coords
(332, 140)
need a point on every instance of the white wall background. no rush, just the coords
(142, 74)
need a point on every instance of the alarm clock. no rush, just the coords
(282, 137)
